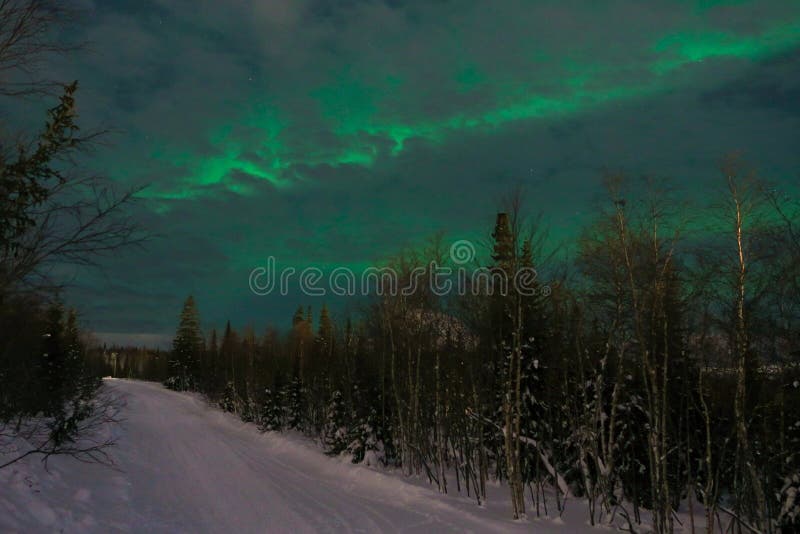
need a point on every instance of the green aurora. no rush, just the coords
(354, 111)
(329, 135)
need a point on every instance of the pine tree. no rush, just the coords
(334, 436)
(186, 348)
(227, 378)
(271, 411)
(366, 439)
(294, 400)
(246, 375)
(229, 399)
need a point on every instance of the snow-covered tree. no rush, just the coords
(334, 434)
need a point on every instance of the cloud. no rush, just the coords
(336, 132)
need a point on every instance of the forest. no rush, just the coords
(659, 370)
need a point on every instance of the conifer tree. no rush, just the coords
(335, 434)
(271, 411)
(186, 348)
(503, 247)
(227, 380)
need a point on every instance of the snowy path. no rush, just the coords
(185, 467)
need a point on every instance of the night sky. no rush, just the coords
(334, 133)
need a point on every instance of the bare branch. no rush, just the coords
(89, 441)
(28, 35)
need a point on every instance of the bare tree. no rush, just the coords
(739, 277)
(28, 37)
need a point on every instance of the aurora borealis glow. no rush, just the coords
(333, 133)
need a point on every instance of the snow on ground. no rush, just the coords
(183, 466)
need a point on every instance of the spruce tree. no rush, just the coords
(272, 411)
(335, 434)
(503, 249)
(186, 348)
(227, 379)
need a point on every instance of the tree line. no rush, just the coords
(656, 369)
(659, 371)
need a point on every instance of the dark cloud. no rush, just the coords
(774, 83)
(336, 132)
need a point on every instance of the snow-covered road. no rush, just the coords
(183, 466)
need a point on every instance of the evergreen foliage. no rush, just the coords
(187, 348)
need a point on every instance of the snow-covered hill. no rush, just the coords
(182, 466)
